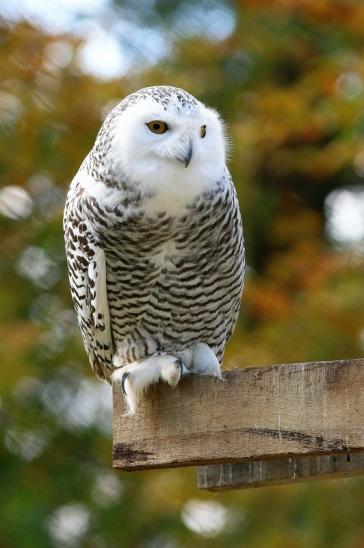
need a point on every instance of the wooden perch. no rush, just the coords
(263, 473)
(259, 413)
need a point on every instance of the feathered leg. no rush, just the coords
(135, 378)
(200, 360)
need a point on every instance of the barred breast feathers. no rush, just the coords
(133, 280)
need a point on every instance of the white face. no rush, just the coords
(187, 146)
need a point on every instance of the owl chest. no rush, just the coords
(149, 254)
(168, 236)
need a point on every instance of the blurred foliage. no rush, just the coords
(289, 83)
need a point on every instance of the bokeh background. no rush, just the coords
(288, 77)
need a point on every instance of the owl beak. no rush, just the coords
(188, 155)
(185, 153)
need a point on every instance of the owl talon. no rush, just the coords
(184, 370)
(123, 379)
(180, 365)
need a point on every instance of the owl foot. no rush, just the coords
(200, 360)
(204, 361)
(136, 377)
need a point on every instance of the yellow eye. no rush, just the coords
(157, 126)
(202, 131)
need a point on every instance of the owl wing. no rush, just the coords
(227, 250)
(87, 276)
(237, 247)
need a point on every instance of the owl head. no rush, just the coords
(163, 134)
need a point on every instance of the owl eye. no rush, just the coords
(202, 131)
(157, 126)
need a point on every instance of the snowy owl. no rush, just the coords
(154, 243)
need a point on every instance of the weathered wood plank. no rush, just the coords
(256, 413)
(263, 473)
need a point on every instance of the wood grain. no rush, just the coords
(255, 413)
(263, 473)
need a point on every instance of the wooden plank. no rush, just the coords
(263, 473)
(256, 413)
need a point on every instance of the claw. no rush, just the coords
(182, 366)
(123, 379)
